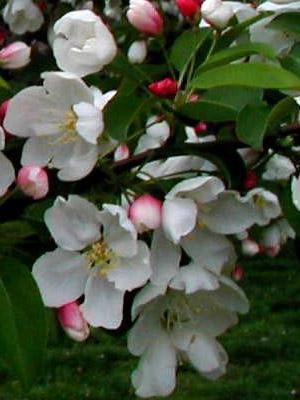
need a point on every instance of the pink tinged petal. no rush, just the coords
(15, 55)
(61, 276)
(179, 218)
(73, 223)
(209, 250)
(132, 272)
(193, 278)
(146, 213)
(156, 372)
(90, 122)
(207, 356)
(7, 175)
(165, 258)
(103, 303)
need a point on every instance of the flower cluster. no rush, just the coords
(174, 132)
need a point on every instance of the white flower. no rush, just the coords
(192, 136)
(63, 121)
(157, 132)
(7, 174)
(98, 256)
(278, 168)
(83, 44)
(22, 16)
(276, 235)
(296, 191)
(180, 326)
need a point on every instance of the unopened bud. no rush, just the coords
(33, 181)
(146, 213)
(137, 52)
(73, 322)
(166, 88)
(188, 8)
(121, 152)
(250, 247)
(238, 273)
(15, 55)
(251, 180)
(200, 127)
(144, 16)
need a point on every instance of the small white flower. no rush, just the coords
(7, 175)
(63, 120)
(98, 256)
(217, 13)
(157, 132)
(278, 168)
(137, 52)
(22, 16)
(83, 44)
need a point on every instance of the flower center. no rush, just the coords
(102, 257)
(69, 127)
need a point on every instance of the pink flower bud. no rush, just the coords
(250, 247)
(238, 273)
(188, 8)
(200, 128)
(15, 55)
(272, 251)
(251, 180)
(33, 181)
(121, 152)
(145, 17)
(146, 213)
(166, 88)
(73, 322)
(3, 109)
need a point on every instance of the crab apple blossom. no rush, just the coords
(137, 52)
(278, 168)
(188, 8)
(217, 13)
(82, 44)
(73, 322)
(33, 181)
(63, 121)
(121, 153)
(275, 236)
(22, 16)
(145, 17)
(157, 132)
(179, 324)
(165, 88)
(15, 55)
(98, 256)
(146, 213)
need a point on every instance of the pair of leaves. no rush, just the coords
(23, 330)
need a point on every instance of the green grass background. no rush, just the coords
(264, 352)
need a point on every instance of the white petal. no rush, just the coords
(145, 296)
(209, 250)
(156, 372)
(73, 223)
(90, 122)
(165, 258)
(296, 192)
(133, 272)
(103, 304)
(7, 174)
(61, 276)
(178, 218)
(37, 151)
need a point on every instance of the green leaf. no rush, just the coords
(207, 110)
(23, 330)
(286, 22)
(4, 84)
(235, 53)
(235, 96)
(186, 45)
(120, 113)
(266, 119)
(251, 125)
(13, 232)
(253, 75)
(290, 212)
